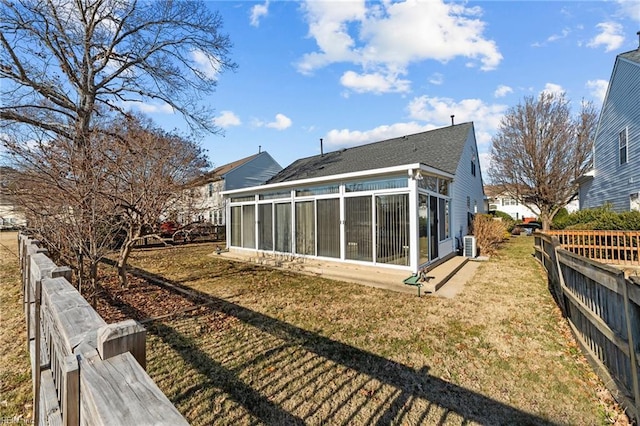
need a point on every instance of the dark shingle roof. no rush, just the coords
(633, 56)
(439, 148)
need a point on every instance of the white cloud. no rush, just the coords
(555, 37)
(502, 91)
(206, 64)
(257, 12)
(486, 117)
(149, 108)
(598, 89)
(629, 8)
(281, 122)
(227, 119)
(553, 89)
(436, 79)
(385, 37)
(374, 83)
(610, 36)
(348, 138)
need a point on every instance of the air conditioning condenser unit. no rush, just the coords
(469, 246)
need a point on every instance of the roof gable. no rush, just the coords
(439, 148)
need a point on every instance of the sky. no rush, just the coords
(355, 72)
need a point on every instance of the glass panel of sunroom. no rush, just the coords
(305, 228)
(236, 226)
(328, 227)
(357, 229)
(392, 229)
(283, 227)
(423, 228)
(248, 226)
(265, 226)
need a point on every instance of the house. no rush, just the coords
(615, 176)
(499, 199)
(400, 203)
(10, 216)
(204, 202)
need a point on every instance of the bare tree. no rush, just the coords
(64, 207)
(540, 150)
(64, 61)
(147, 168)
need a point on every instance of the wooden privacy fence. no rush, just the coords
(85, 371)
(615, 247)
(603, 310)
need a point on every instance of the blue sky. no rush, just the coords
(356, 72)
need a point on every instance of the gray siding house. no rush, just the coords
(400, 203)
(615, 177)
(204, 201)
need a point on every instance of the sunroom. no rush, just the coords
(396, 217)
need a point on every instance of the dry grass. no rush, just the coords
(272, 347)
(15, 371)
(279, 348)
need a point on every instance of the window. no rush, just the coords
(248, 226)
(622, 144)
(318, 190)
(377, 184)
(328, 213)
(241, 199)
(236, 226)
(305, 228)
(210, 190)
(473, 167)
(265, 226)
(275, 195)
(282, 221)
(509, 202)
(444, 218)
(357, 228)
(392, 229)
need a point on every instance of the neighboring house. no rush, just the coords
(10, 217)
(404, 202)
(500, 200)
(615, 177)
(204, 201)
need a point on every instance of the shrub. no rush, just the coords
(601, 218)
(489, 233)
(508, 221)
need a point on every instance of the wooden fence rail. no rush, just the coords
(614, 247)
(603, 310)
(85, 371)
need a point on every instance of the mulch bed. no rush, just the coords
(141, 300)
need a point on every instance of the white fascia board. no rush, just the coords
(343, 176)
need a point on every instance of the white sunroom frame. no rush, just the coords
(413, 172)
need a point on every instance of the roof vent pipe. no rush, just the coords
(452, 119)
(638, 33)
(321, 151)
(259, 149)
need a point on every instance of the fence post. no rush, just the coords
(625, 283)
(70, 393)
(125, 336)
(38, 372)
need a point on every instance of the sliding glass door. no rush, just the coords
(283, 227)
(305, 228)
(265, 226)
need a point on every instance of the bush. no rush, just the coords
(508, 221)
(601, 218)
(489, 233)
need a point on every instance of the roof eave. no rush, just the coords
(342, 176)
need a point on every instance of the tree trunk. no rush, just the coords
(123, 257)
(133, 234)
(93, 279)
